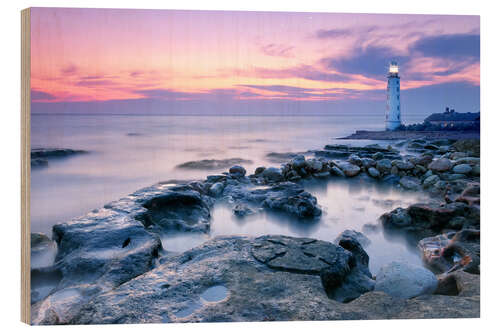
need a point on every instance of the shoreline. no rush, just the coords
(408, 135)
(116, 249)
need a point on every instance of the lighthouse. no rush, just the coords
(393, 107)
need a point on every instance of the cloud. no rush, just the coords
(371, 61)
(94, 83)
(304, 72)
(69, 69)
(277, 50)
(38, 95)
(170, 94)
(333, 33)
(455, 46)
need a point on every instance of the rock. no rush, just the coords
(213, 164)
(440, 165)
(476, 170)
(242, 210)
(378, 156)
(462, 169)
(216, 189)
(409, 183)
(424, 159)
(355, 159)
(368, 162)
(237, 171)
(324, 174)
(425, 220)
(314, 166)
(452, 251)
(350, 170)
(471, 194)
(373, 172)
(298, 162)
(353, 234)
(457, 155)
(39, 162)
(431, 147)
(468, 160)
(394, 170)
(335, 171)
(384, 166)
(458, 283)
(272, 174)
(429, 181)
(470, 146)
(391, 179)
(43, 250)
(403, 165)
(403, 280)
(259, 170)
(54, 152)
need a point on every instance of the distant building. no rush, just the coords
(393, 107)
(450, 118)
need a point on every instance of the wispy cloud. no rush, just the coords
(277, 50)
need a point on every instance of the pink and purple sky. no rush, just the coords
(133, 61)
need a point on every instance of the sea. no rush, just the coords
(129, 152)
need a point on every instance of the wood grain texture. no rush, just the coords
(25, 164)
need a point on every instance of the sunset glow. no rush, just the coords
(102, 55)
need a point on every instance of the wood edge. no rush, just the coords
(25, 165)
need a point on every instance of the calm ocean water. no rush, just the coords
(130, 152)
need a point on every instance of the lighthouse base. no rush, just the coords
(392, 125)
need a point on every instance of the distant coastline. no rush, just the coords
(403, 135)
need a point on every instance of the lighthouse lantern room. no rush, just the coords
(393, 107)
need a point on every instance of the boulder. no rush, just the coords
(462, 168)
(452, 251)
(242, 210)
(237, 171)
(335, 171)
(440, 165)
(429, 181)
(403, 165)
(373, 172)
(355, 159)
(216, 189)
(350, 170)
(213, 164)
(470, 146)
(353, 234)
(403, 280)
(384, 166)
(409, 183)
(272, 174)
(298, 162)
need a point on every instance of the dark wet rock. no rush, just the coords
(286, 197)
(468, 160)
(452, 251)
(440, 165)
(368, 162)
(242, 210)
(403, 280)
(350, 170)
(39, 162)
(272, 174)
(358, 236)
(184, 210)
(259, 170)
(403, 165)
(429, 181)
(216, 189)
(391, 179)
(471, 194)
(425, 220)
(458, 283)
(410, 183)
(213, 164)
(54, 152)
(40, 156)
(336, 171)
(355, 159)
(424, 159)
(462, 169)
(298, 162)
(373, 172)
(470, 146)
(378, 156)
(384, 166)
(237, 171)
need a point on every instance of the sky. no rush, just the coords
(204, 62)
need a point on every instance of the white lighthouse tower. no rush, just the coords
(393, 108)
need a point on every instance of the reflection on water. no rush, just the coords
(346, 204)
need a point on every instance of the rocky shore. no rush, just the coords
(110, 266)
(404, 135)
(40, 156)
